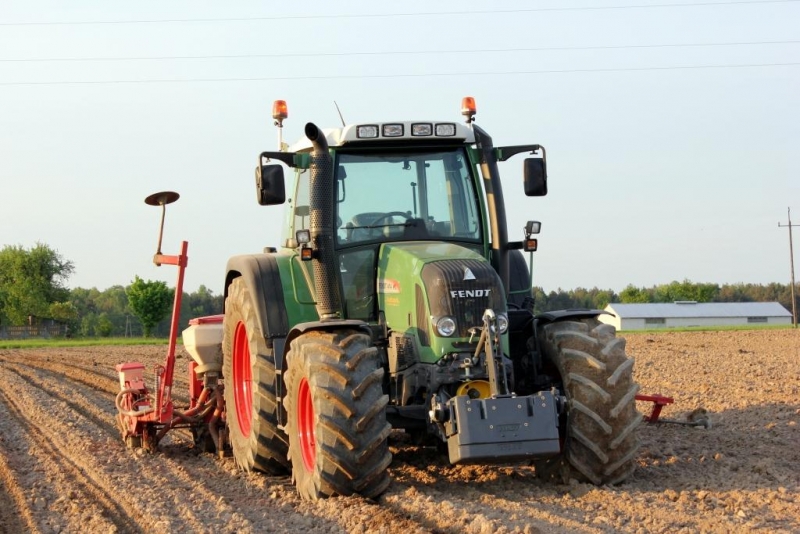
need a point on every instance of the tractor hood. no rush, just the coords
(400, 266)
(421, 282)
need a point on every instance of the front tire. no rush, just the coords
(248, 370)
(600, 439)
(337, 415)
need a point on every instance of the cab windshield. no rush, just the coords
(405, 196)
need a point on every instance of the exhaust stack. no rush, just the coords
(321, 206)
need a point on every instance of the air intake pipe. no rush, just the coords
(321, 206)
(495, 205)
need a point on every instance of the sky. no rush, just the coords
(671, 126)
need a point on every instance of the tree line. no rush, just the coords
(671, 292)
(112, 312)
(32, 289)
(33, 292)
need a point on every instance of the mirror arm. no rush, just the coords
(505, 152)
(284, 157)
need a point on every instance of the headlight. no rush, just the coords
(502, 322)
(446, 326)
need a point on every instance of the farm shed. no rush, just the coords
(688, 313)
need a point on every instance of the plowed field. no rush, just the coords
(63, 467)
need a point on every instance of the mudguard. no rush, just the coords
(315, 325)
(560, 315)
(262, 276)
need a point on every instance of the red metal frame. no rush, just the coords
(138, 414)
(163, 413)
(659, 401)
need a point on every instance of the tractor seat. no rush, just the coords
(364, 219)
(415, 230)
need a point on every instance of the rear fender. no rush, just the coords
(263, 278)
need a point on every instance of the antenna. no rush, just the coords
(161, 199)
(339, 111)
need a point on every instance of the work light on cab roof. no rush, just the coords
(390, 130)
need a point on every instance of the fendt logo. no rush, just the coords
(470, 293)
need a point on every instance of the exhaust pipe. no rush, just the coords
(321, 206)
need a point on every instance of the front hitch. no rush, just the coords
(489, 343)
(503, 426)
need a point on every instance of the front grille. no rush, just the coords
(464, 300)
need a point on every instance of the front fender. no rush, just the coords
(325, 326)
(282, 348)
(561, 315)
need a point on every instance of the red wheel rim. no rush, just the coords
(242, 379)
(305, 425)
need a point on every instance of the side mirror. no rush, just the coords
(269, 185)
(535, 173)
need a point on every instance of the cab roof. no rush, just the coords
(395, 132)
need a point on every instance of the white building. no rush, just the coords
(682, 314)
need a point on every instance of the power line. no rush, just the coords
(791, 263)
(398, 52)
(384, 15)
(422, 75)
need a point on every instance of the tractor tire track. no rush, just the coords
(73, 475)
(105, 383)
(108, 381)
(93, 480)
(101, 421)
(15, 515)
(87, 398)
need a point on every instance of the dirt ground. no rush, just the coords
(63, 467)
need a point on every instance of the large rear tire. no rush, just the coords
(249, 377)
(337, 415)
(600, 439)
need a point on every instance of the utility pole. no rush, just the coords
(791, 264)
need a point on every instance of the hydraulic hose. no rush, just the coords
(133, 413)
(212, 423)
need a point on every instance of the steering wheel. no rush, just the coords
(390, 214)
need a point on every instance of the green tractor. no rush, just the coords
(397, 301)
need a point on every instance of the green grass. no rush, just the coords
(708, 328)
(106, 341)
(80, 342)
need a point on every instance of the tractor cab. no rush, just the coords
(394, 183)
(393, 195)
